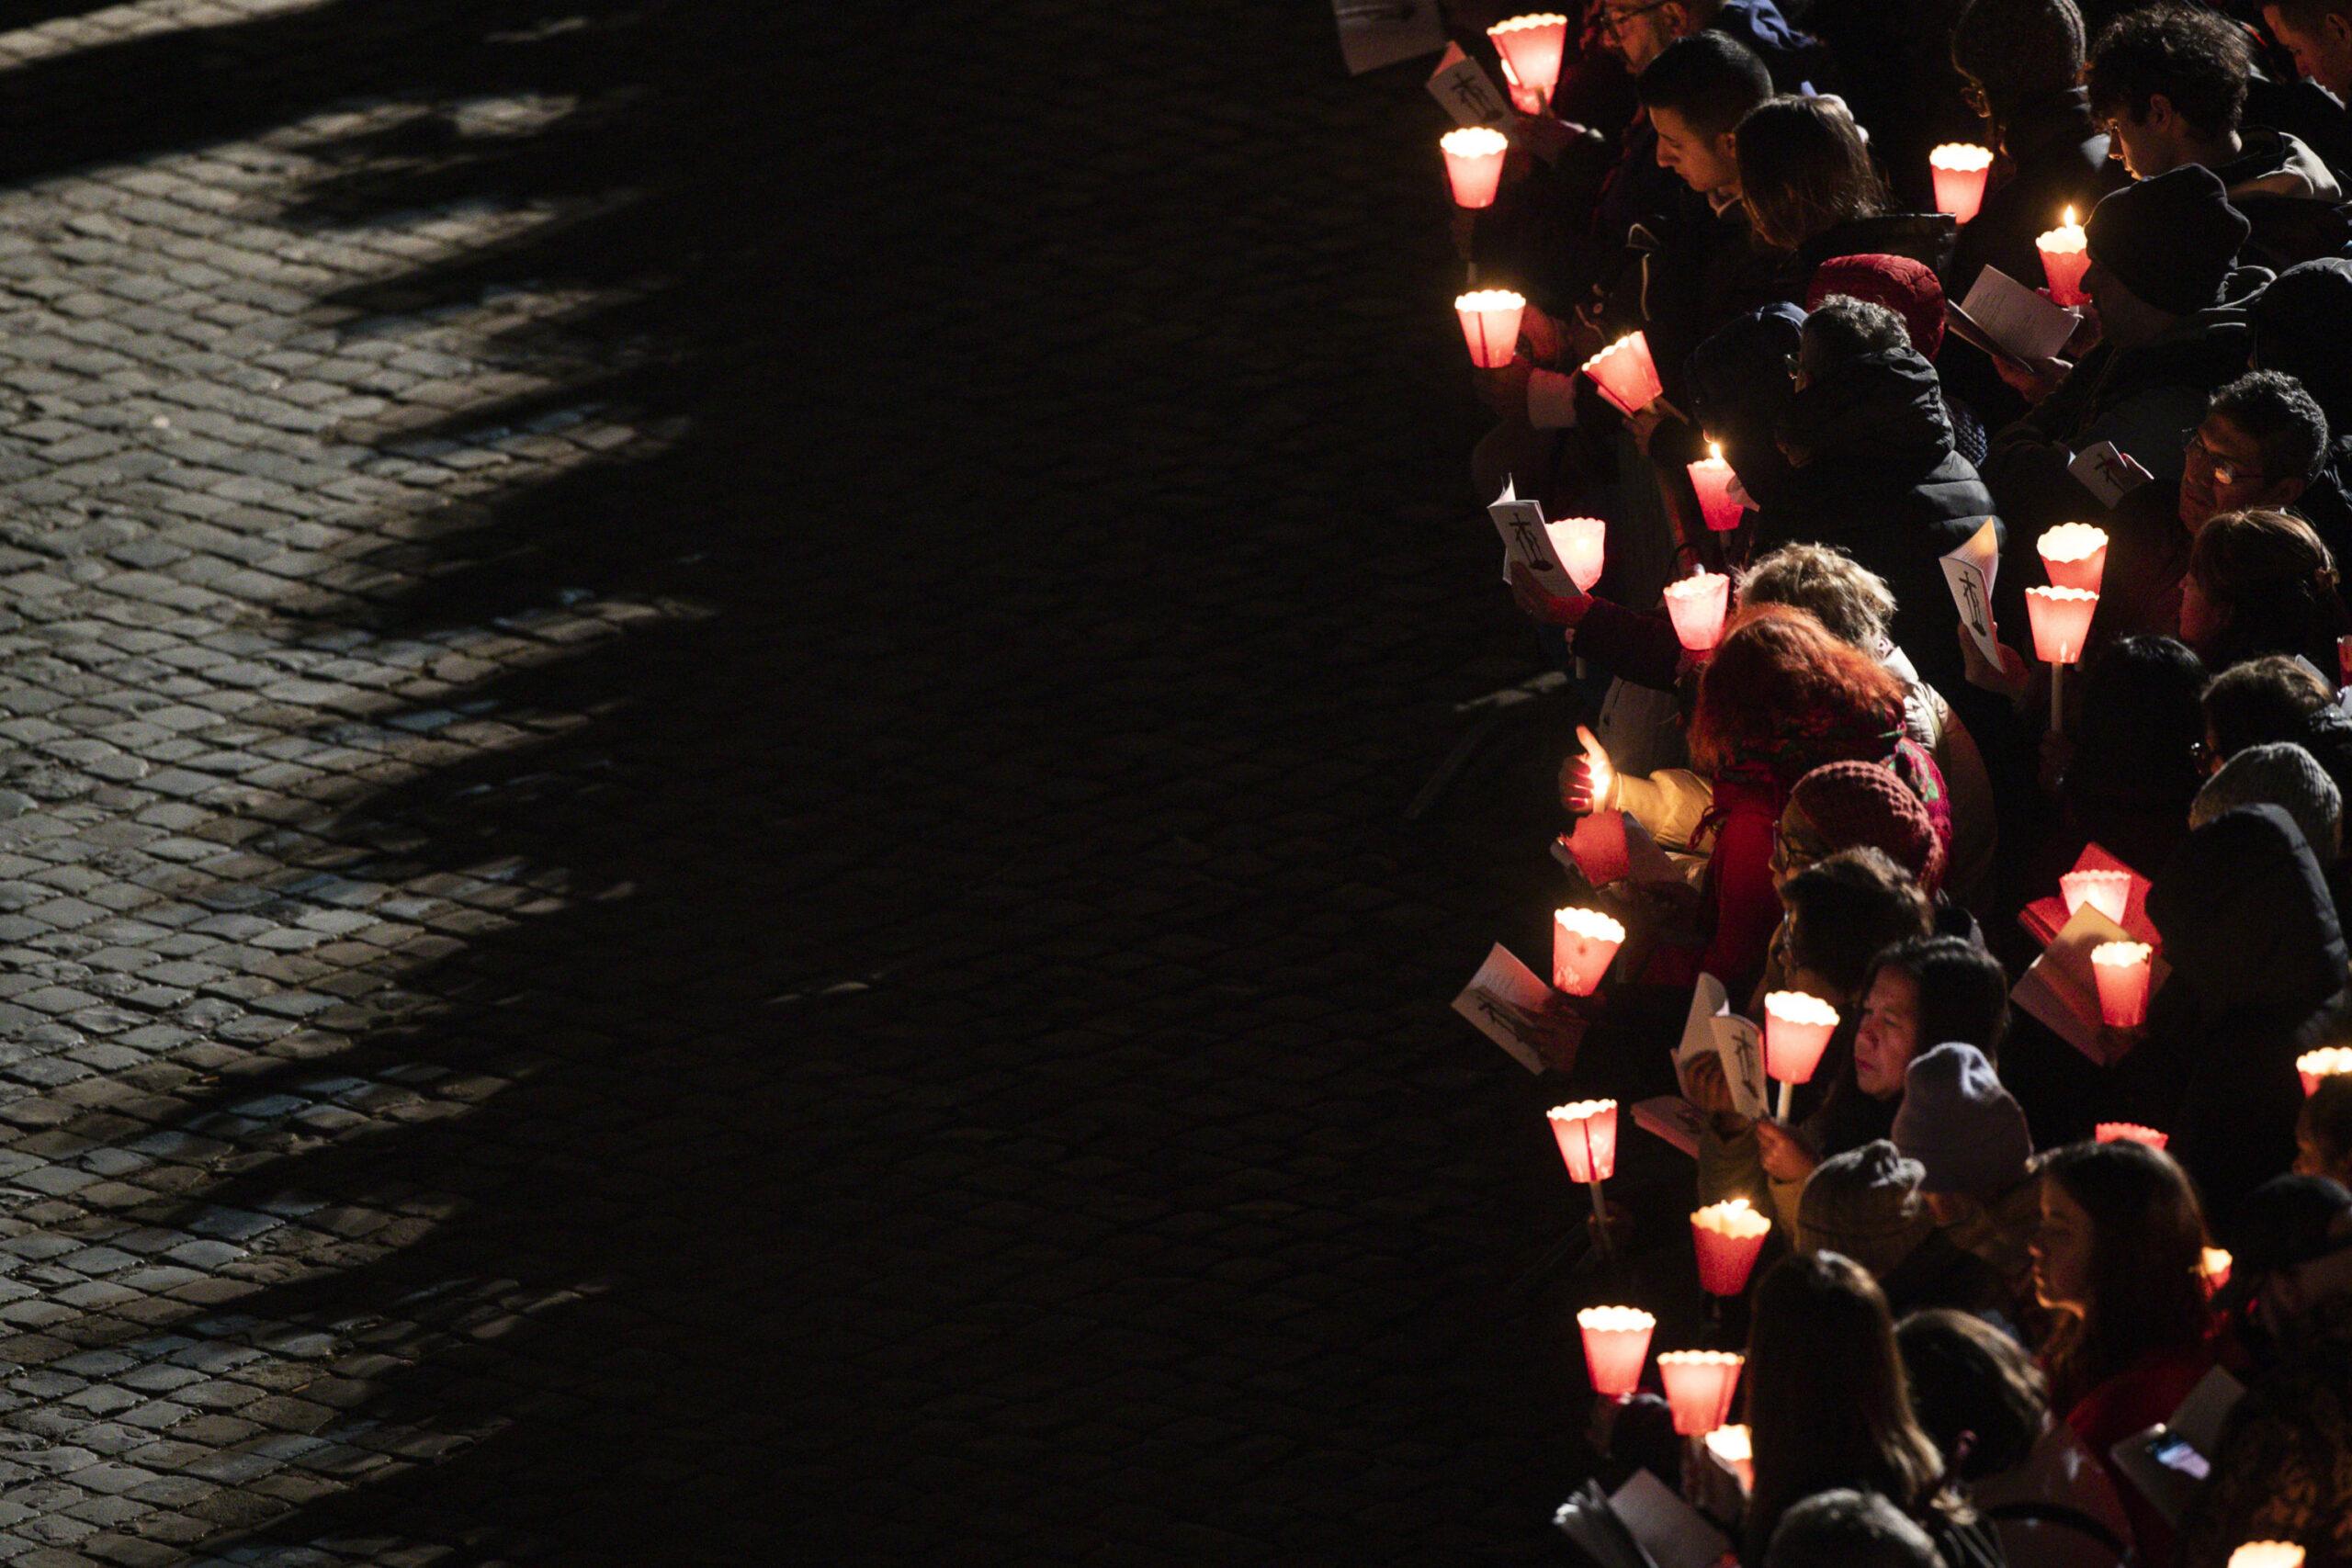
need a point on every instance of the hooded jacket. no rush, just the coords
(2053, 156)
(2257, 958)
(2289, 195)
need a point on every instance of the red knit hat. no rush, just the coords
(1855, 804)
(1902, 285)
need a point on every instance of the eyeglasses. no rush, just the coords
(1611, 21)
(2225, 470)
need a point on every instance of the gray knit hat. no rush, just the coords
(1865, 1203)
(1966, 1131)
(2283, 774)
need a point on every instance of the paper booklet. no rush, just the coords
(2006, 318)
(1712, 1026)
(2042, 918)
(1374, 33)
(1501, 985)
(1672, 1118)
(1609, 847)
(2167, 1463)
(1589, 1520)
(1970, 570)
(1462, 86)
(1531, 542)
(1670, 1532)
(2060, 991)
(2108, 471)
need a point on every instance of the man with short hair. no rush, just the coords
(2263, 443)
(2318, 33)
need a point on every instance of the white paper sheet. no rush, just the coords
(1711, 1025)
(1970, 572)
(2020, 322)
(2108, 473)
(1501, 983)
(1671, 1531)
(1465, 90)
(1374, 33)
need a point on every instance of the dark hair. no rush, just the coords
(2198, 59)
(2261, 701)
(1804, 170)
(1845, 909)
(2018, 49)
(2136, 739)
(1844, 328)
(1827, 1401)
(2278, 582)
(1845, 1529)
(2306, 14)
(1709, 79)
(2327, 1116)
(2273, 408)
(1964, 990)
(1968, 1379)
(2147, 1286)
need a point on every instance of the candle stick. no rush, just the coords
(2066, 256)
(1474, 163)
(2129, 1132)
(1490, 325)
(1727, 1237)
(1616, 1342)
(1626, 374)
(1586, 1133)
(1797, 1027)
(2109, 892)
(2327, 1062)
(2075, 554)
(1583, 942)
(1711, 478)
(2061, 618)
(2121, 969)
(1697, 606)
(1959, 169)
(1531, 47)
(1698, 1388)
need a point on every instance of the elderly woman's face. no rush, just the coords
(1796, 845)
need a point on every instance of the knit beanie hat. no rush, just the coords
(2300, 323)
(2171, 240)
(1967, 1132)
(1854, 805)
(2282, 774)
(1902, 285)
(1865, 1203)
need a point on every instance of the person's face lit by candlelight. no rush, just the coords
(2062, 1250)
(2222, 471)
(1708, 165)
(1887, 1036)
(1641, 31)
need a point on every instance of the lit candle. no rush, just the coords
(1959, 171)
(1797, 1027)
(1698, 1388)
(2214, 1265)
(1474, 163)
(2109, 892)
(1626, 374)
(1587, 1131)
(2075, 554)
(1582, 542)
(2268, 1554)
(2121, 970)
(2129, 1132)
(2327, 1062)
(1583, 942)
(2061, 619)
(1616, 1342)
(1490, 325)
(1697, 606)
(1711, 477)
(1732, 1446)
(2066, 257)
(1531, 47)
(1727, 1236)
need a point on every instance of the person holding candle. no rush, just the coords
(2118, 1259)
(1810, 189)
(2263, 442)
(1975, 1155)
(2124, 775)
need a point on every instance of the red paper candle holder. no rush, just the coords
(2344, 660)
(2109, 892)
(1797, 1027)
(1474, 163)
(1532, 46)
(2066, 256)
(1587, 1131)
(2327, 1062)
(2062, 619)
(1490, 325)
(1737, 1449)
(1583, 943)
(2214, 1265)
(1583, 545)
(2075, 554)
(2130, 1133)
(2121, 969)
(1727, 1236)
(1626, 374)
(1697, 606)
(1616, 1342)
(1959, 169)
(1698, 1388)
(1711, 479)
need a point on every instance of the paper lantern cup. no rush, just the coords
(2075, 554)
(2066, 256)
(2109, 892)
(2121, 970)
(1797, 1027)
(1474, 163)
(1588, 1136)
(1583, 943)
(2129, 1132)
(1697, 606)
(2327, 1062)
(1533, 45)
(2214, 1265)
(1959, 171)
(1583, 545)
(1737, 1449)
(1698, 1388)
(2268, 1554)
(1490, 325)
(2062, 619)
(1711, 480)
(1728, 1236)
(1625, 374)
(1616, 1342)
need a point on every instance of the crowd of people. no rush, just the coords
(1994, 1239)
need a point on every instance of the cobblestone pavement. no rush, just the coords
(703, 712)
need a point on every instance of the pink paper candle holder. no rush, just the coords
(2109, 892)
(1727, 1236)
(1797, 1027)
(2121, 969)
(1616, 1342)
(1959, 169)
(2061, 618)
(1490, 325)
(1532, 46)
(2075, 554)
(2327, 1062)
(1711, 481)
(1584, 941)
(1698, 1388)
(2130, 1133)
(1583, 543)
(1697, 606)
(1626, 374)
(2066, 256)
(1474, 163)
(1587, 1131)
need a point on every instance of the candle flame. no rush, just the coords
(1474, 141)
(2069, 221)
(1735, 1217)
(1616, 1320)
(2121, 955)
(1714, 451)
(1731, 1444)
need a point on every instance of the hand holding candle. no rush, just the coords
(1959, 169)
(1474, 163)
(2075, 554)
(1727, 1236)
(1616, 1342)
(1711, 479)
(2121, 969)
(1698, 1388)
(1697, 606)
(1490, 325)
(2066, 256)
(1797, 1027)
